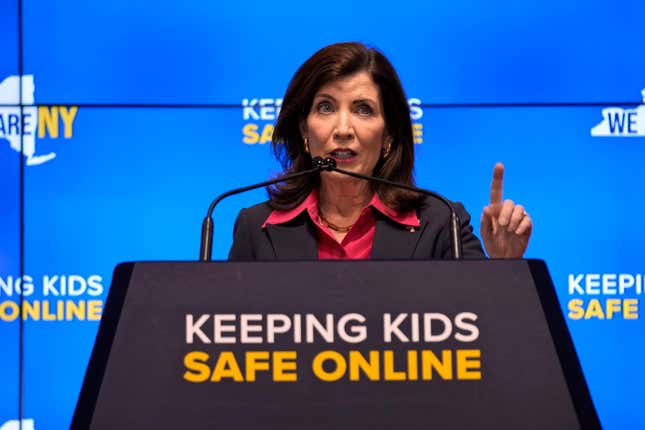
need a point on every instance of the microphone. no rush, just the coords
(206, 247)
(329, 164)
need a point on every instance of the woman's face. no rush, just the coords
(346, 123)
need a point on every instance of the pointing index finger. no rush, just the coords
(496, 187)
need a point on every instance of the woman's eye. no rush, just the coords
(325, 107)
(364, 110)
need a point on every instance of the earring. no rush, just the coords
(306, 141)
(387, 149)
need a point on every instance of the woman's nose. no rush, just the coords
(344, 129)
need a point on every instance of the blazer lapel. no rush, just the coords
(394, 241)
(295, 240)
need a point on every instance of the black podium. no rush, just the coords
(334, 345)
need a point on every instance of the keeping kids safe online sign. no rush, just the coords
(262, 335)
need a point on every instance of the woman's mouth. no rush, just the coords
(342, 155)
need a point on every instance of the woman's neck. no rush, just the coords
(344, 198)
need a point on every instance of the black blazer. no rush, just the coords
(296, 240)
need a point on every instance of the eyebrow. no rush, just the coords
(357, 101)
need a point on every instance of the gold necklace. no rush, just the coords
(338, 228)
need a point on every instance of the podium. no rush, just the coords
(334, 345)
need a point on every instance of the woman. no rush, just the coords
(346, 102)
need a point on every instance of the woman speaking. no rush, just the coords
(346, 102)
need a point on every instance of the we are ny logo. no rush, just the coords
(23, 124)
(619, 122)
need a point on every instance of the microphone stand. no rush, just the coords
(327, 164)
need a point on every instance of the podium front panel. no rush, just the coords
(369, 344)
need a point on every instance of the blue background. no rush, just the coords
(134, 181)
(469, 51)
(9, 222)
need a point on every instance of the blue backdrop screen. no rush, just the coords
(447, 52)
(135, 114)
(10, 161)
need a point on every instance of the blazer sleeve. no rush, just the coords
(242, 250)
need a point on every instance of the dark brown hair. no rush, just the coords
(326, 65)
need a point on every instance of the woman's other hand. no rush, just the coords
(505, 227)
